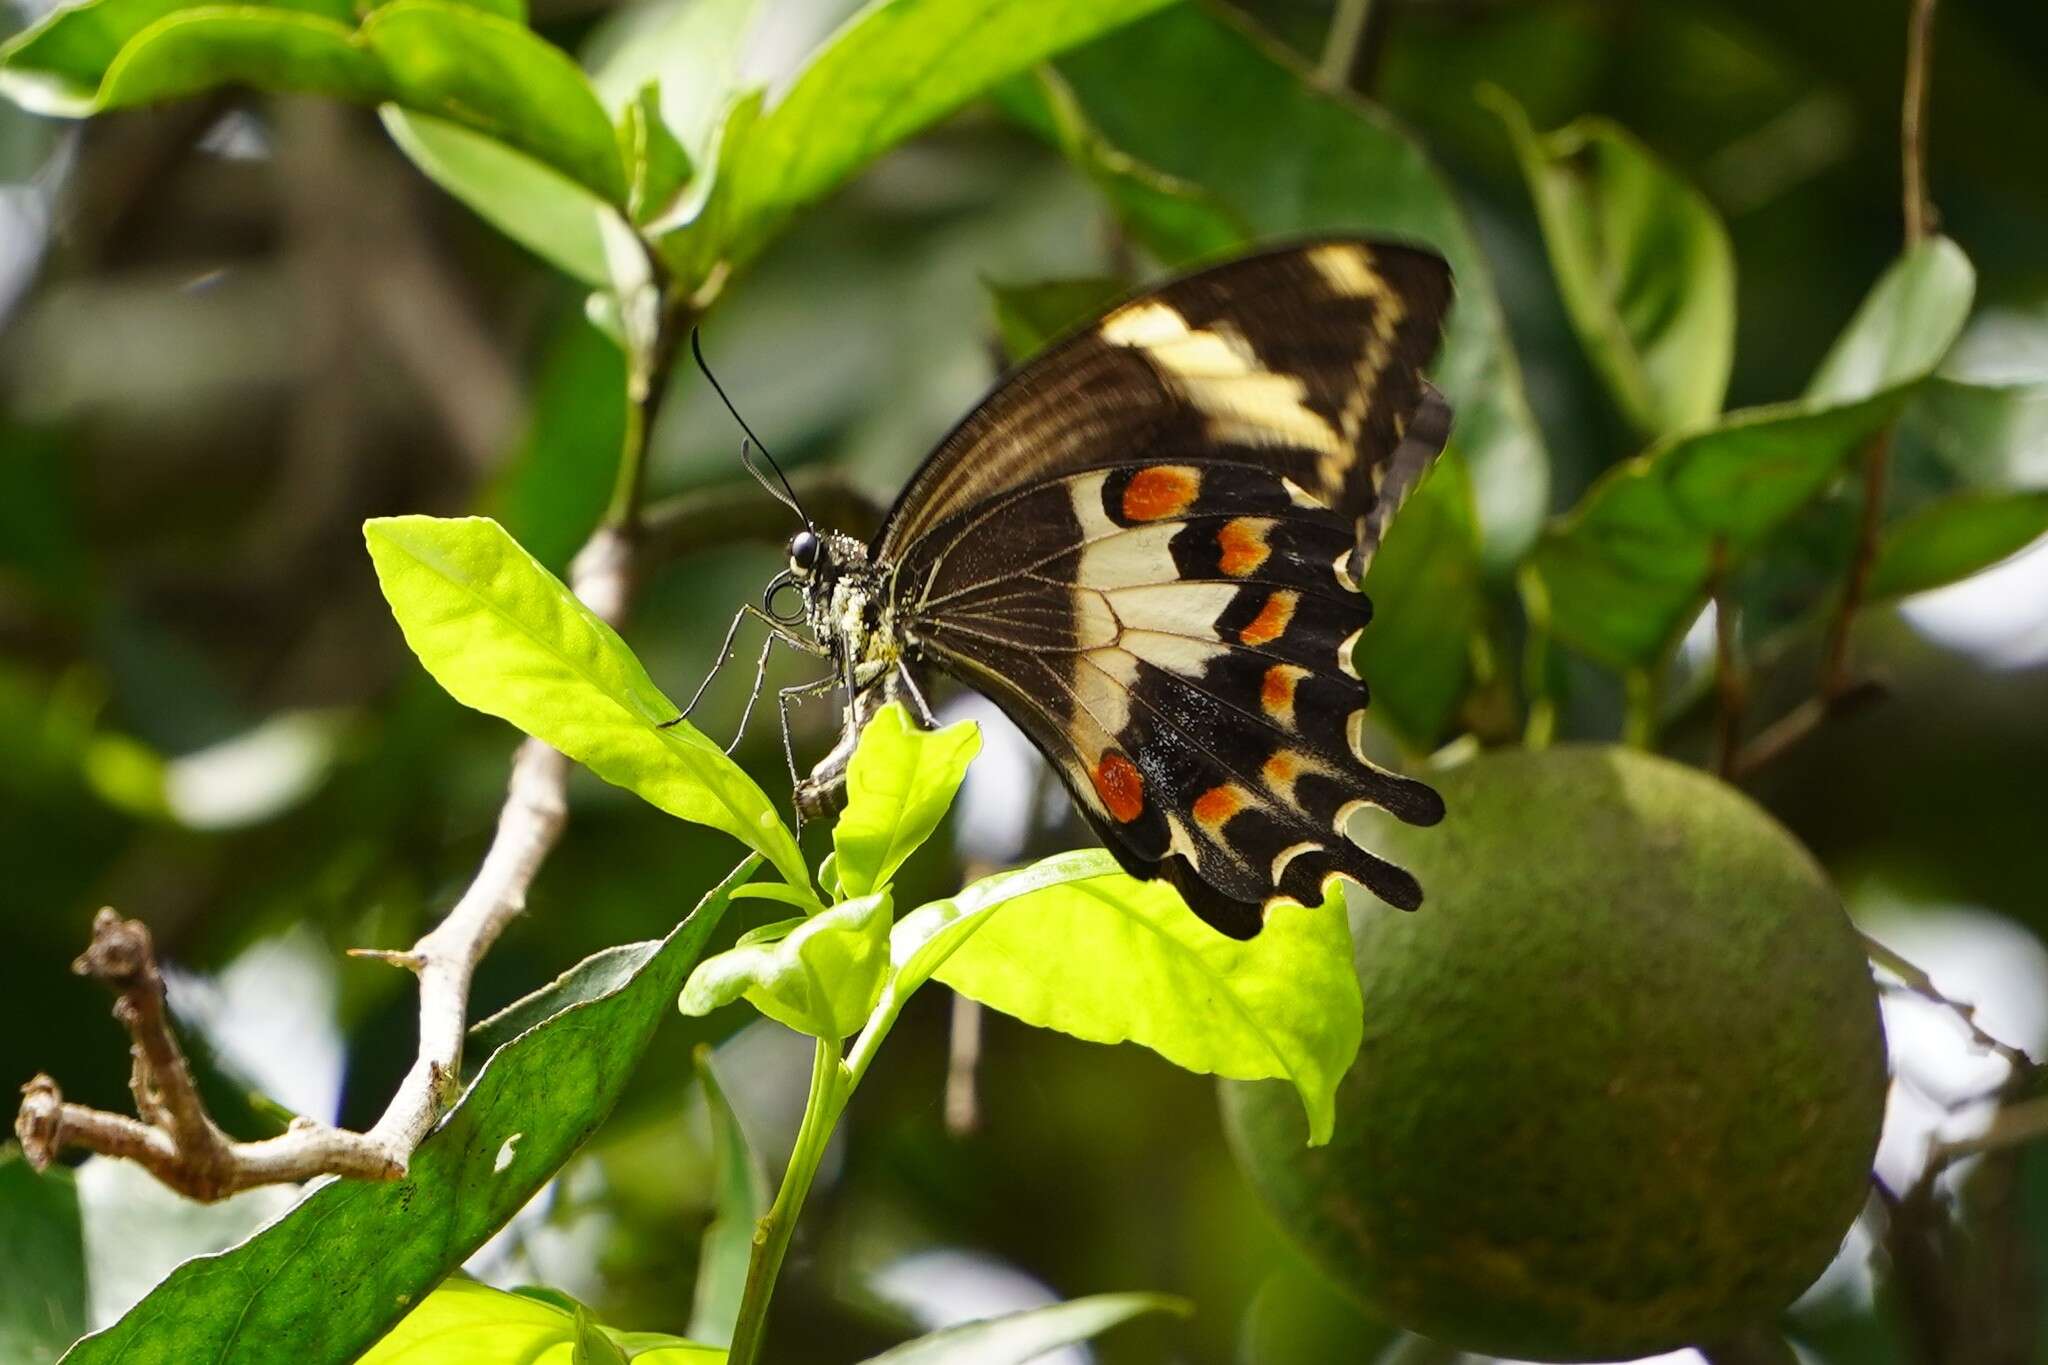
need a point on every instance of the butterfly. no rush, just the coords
(1145, 546)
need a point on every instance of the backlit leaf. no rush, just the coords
(504, 636)
(822, 978)
(899, 785)
(1015, 1338)
(1111, 959)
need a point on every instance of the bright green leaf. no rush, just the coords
(1952, 539)
(1201, 96)
(822, 979)
(1030, 315)
(466, 1323)
(498, 78)
(1904, 327)
(1177, 220)
(1111, 959)
(689, 49)
(893, 69)
(321, 1284)
(56, 65)
(1643, 263)
(1016, 1338)
(42, 1261)
(899, 785)
(200, 49)
(546, 212)
(504, 636)
(595, 977)
(923, 939)
(1428, 594)
(740, 1189)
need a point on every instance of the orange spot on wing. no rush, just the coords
(1121, 787)
(1276, 693)
(1243, 540)
(1215, 806)
(1282, 768)
(1271, 622)
(1161, 490)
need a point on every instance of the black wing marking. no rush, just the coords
(1177, 639)
(1304, 360)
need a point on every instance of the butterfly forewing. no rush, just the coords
(1146, 546)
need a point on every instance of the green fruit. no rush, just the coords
(1622, 1073)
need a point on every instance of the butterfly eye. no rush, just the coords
(803, 553)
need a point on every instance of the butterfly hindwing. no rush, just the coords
(1177, 637)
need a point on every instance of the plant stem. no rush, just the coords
(831, 1084)
(1913, 124)
(1729, 686)
(1350, 48)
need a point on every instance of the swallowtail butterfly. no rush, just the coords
(1146, 547)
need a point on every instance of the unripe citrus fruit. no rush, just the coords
(1622, 1073)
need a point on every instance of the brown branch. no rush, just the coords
(1919, 209)
(175, 1138)
(1921, 984)
(1730, 687)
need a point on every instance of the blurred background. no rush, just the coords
(233, 328)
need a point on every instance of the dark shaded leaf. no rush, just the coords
(42, 1262)
(1428, 597)
(1196, 94)
(1643, 263)
(742, 1195)
(1030, 315)
(322, 1283)
(1952, 539)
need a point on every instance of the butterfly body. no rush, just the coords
(1146, 548)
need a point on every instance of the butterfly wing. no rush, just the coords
(1306, 360)
(1145, 547)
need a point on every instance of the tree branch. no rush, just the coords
(1919, 210)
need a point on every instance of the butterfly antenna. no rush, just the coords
(787, 494)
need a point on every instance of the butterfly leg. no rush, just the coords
(776, 631)
(783, 698)
(923, 707)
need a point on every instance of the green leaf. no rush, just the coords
(1177, 220)
(595, 977)
(498, 78)
(472, 67)
(1988, 435)
(1642, 261)
(504, 636)
(1016, 1338)
(1030, 315)
(42, 1262)
(1904, 327)
(689, 49)
(742, 1197)
(1428, 594)
(656, 163)
(892, 70)
(56, 65)
(1196, 93)
(544, 211)
(1111, 959)
(1952, 539)
(319, 1285)
(899, 785)
(1628, 569)
(466, 1323)
(923, 939)
(823, 979)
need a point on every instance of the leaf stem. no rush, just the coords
(648, 369)
(1730, 687)
(831, 1085)
(1919, 210)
